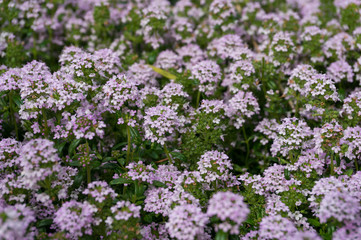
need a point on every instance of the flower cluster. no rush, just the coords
(180, 119)
(230, 209)
(186, 222)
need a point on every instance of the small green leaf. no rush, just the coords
(159, 184)
(119, 145)
(178, 155)
(110, 166)
(73, 145)
(221, 235)
(314, 222)
(74, 163)
(133, 132)
(108, 159)
(121, 161)
(237, 168)
(17, 100)
(120, 181)
(44, 223)
(349, 172)
(287, 174)
(60, 147)
(163, 72)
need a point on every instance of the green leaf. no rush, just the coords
(17, 100)
(44, 223)
(73, 145)
(133, 132)
(110, 166)
(159, 184)
(120, 181)
(314, 222)
(349, 172)
(221, 235)
(121, 161)
(95, 164)
(287, 174)
(119, 145)
(163, 72)
(60, 147)
(237, 168)
(178, 155)
(74, 163)
(108, 159)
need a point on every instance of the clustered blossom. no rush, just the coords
(230, 209)
(173, 94)
(241, 106)
(338, 205)
(273, 181)
(337, 45)
(75, 218)
(163, 200)
(138, 171)
(141, 74)
(352, 139)
(9, 150)
(268, 127)
(339, 71)
(123, 210)
(352, 106)
(328, 137)
(186, 222)
(214, 165)
(160, 122)
(117, 92)
(15, 222)
(180, 119)
(167, 59)
(208, 73)
(100, 191)
(229, 46)
(321, 86)
(291, 135)
(38, 159)
(300, 75)
(154, 231)
(276, 227)
(241, 76)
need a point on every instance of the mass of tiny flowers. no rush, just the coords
(180, 119)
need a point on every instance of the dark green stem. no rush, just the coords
(45, 119)
(12, 114)
(198, 99)
(88, 170)
(297, 107)
(332, 165)
(167, 153)
(129, 144)
(356, 164)
(221, 235)
(247, 143)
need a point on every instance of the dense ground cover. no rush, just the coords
(189, 119)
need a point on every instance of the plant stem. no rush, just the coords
(12, 114)
(167, 153)
(221, 235)
(129, 144)
(332, 165)
(88, 170)
(297, 107)
(45, 123)
(247, 143)
(198, 99)
(356, 165)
